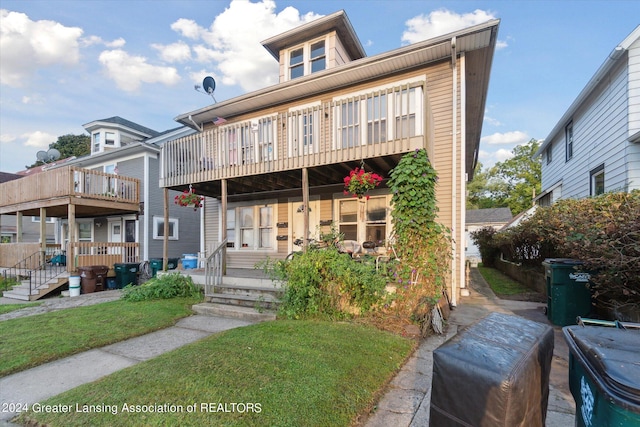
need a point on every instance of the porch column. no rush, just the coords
(223, 219)
(43, 234)
(165, 236)
(71, 213)
(18, 227)
(305, 204)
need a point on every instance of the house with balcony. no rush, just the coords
(595, 146)
(107, 206)
(272, 162)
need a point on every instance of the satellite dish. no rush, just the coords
(209, 86)
(53, 155)
(42, 156)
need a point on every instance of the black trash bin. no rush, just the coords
(568, 295)
(126, 274)
(493, 373)
(88, 279)
(604, 375)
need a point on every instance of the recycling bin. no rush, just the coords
(604, 375)
(126, 274)
(156, 265)
(493, 373)
(568, 295)
(189, 261)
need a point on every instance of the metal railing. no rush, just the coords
(37, 269)
(214, 268)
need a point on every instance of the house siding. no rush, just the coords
(634, 89)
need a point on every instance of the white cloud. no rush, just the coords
(174, 52)
(232, 42)
(503, 154)
(27, 45)
(515, 137)
(492, 121)
(441, 21)
(129, 71)
(501, 44)
(38, 139)
(6, 138)
(96, 40)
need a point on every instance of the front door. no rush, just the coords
(297, 215)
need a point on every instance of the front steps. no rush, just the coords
(21, 291)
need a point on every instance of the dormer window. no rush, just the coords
(96, 142)
(109, 138)
(306, 59)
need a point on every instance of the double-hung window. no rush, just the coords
(306, 59)
(266, 139)
(377, 119)
(250, 227)
(296, 63)
(96, 142)
(318, 57)
(597, 180)
(349, 123)
(568, 135)
(406, 105)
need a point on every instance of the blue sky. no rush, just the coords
(67, 63)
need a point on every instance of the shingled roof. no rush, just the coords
(488, 216)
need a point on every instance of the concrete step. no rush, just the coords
(24, 290)
(13, 295)
(257, 291)
(233, 311)
(258, 302)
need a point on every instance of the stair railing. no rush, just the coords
(214, 268)
(35, 268)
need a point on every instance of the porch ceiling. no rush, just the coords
(322, 180)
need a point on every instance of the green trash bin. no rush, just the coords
(156, 265)
(126, 273)
(604, 375)
(567, 293)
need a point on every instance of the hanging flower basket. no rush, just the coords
(359, 182)
(189, 198)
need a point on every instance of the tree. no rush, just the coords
(68, 146)
(511, 183)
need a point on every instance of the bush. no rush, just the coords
(162, 287)
(327, 283)
(484, 240)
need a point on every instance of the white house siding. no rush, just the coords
(634, 89)
(600, 137)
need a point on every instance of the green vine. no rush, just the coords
(421, 243)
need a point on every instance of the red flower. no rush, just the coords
(359, 182)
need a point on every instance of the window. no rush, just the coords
(247, 144)
(307, 133)
(549, 153)
(49, 219)
(296, 63)
(405, 112)
(597, 180)
(109, 138)
(85, 231)
(349, 219)
(318, 59)
(349, 123)
(568, 134)
(376, 230)
(377, 119)
(266, 227)
(96, 142)
(231, 228)
(265, 139)
(111, 183)
(246, 227)
(306, 59)
(158, 228)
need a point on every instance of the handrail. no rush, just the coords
(36, 269)
(214, 268)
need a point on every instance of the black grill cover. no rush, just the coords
(493, 373)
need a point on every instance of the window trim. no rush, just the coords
(256, 228)
(157, 220)
(307, 60)
(569, 139)
(549, 153)
(593, 174)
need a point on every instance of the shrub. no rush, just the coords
(162, 287)
(484, 239)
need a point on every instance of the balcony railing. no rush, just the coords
(369, 125)
(82, 254)
(70, 182)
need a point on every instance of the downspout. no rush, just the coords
(145, 215)
(463, 175)
(454, 174)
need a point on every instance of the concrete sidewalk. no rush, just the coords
(407, 400)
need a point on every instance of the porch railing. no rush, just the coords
(70, 181)
(214, 268)
(369, 125)
(83, 254)
(36, 268)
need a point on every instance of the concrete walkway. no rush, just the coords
(407, 400)
(405, 403)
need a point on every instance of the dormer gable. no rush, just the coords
(319, 45)
(116, 132)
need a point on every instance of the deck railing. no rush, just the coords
(365, 126)
(70, 181)
(83, 254)
(214, 268)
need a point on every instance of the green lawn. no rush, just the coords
(502, 284)
(31, 341)
(280, 373)
(6, 308)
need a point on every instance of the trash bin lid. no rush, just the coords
(612, 354)
(566, 261)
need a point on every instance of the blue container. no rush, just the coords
(111, 283)
(189, 263)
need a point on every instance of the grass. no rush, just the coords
(501, 284)
(31, 341)
(280, 373)
(7, 308)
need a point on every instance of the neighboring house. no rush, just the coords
(273, 160)
(479, 218)
(29, 226)
(595, 147)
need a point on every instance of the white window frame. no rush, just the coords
(307, 60)
(159, 221)
(594, 174)
(48, 220)
(85, 223)
(255, 229)
(266, 140)
(569, 138)
(377, 118)
(362, 224)
(348, 129)
(96, 145)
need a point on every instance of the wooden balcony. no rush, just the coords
(328, 139)
(92, 192)
(83, 254)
